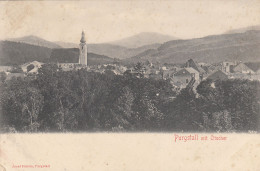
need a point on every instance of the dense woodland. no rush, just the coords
(82, 101)
(14, 53)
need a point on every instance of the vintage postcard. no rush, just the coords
(130, 85)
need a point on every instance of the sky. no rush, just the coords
(105, 21)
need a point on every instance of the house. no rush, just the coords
(70, 66)
(151, 71)
(192, 64)
(31, 67)
(243, 68)
(168, 73)
(200, 68)
(248, 70)
(218, 75)
(202, 64)
(255, 66)
(5, 68)
(228, 66)
(184, 76)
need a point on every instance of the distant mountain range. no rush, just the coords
(34, 40)
(124, 48)
(242, 30)
(115, 51)
(242, 45)
(106, 49)
(66, 44)
(143, 39)
(210, 49)
(14, 53)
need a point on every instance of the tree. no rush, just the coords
(140, 69)
(21, 104)
(3, 77)
(148, 116)
(122, 112)
(16, 69)
(182, 114)
(235, 102)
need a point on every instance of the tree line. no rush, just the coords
(82, 101)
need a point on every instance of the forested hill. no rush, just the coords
(13, 53)
(143, 39)
(71, 55)
(210, 49)
(34, 40)
(16, 53)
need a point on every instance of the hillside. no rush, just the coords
(34, 40)
(210, 49)
(141, 42)
(13, 53)
(66, 44)
(119, 52)
(71, 55)
(113, 51)
(142, 39)
(242, 30)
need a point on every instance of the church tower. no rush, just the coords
(83, 52)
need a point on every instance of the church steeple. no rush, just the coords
(83, 52)
(83, 40)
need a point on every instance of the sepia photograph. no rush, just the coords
(123, 68)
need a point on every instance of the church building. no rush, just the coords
(69, 61)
